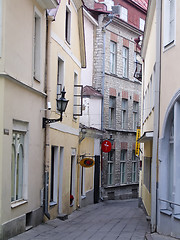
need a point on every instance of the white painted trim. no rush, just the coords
(65, 48)
(64, 128)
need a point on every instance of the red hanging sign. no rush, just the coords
(106, 146)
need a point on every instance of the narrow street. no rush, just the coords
(109, 220)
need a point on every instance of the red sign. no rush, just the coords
(106, 146)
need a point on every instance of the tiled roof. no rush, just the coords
(90, 91)
(141, 3)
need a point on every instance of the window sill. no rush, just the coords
(166, 212)
(18, 203)
(51, 204)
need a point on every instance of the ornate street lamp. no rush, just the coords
(61, 107)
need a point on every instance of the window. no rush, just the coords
(60, 76)
(141, 24)
(125, 62)
(17, 165)
(134, 167)
(19, 161)
(112, 112)
(123, 166)
(68, 25)
(78, 100)
(37, 46)
(147, 173)
(124, 13)
(169, 22)
(113, 54)
(124, 113)
(135, 115)
(75, 94)
(110, 175)
(54, 175)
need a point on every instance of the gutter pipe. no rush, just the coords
(156, 117)
(47, 115)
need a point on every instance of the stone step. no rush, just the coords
(62, 216)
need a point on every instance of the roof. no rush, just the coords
(141, 3)
(90, 91)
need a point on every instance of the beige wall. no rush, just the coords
(170, 71)
(20, 110)
(66, 133)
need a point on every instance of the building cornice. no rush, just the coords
(24, 85)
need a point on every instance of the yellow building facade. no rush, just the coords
(66, 58)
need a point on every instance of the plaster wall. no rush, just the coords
(169, 70)
(86, 75)
(18, 110)
(18, 52)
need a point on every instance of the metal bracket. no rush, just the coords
(47, 121)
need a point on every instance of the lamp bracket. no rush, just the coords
(47, 121)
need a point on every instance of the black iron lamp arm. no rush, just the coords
(47, 121)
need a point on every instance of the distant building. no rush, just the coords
(115, 63)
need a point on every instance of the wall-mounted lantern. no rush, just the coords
(61, 107)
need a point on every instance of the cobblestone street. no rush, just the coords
(109, 220)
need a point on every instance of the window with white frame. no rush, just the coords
(141, 24)
(123, 166)
(113, 56)
(110, 173)
(123, 13)
(60, 76)
(135, 114)
(124, 113)
(68, 26)
(134, 167)
(19, 161)
(125, 61)
(37, 46)
(169, 22)
(54, 175)
(112, 112)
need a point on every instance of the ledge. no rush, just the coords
(51, 204)
(177, 216)
(18, 203)
(166, 212)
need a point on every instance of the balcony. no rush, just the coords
(138, 71)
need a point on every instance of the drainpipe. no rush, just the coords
(47, 115)
(156, 117)
(103, 71)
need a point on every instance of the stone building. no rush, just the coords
(115, 62)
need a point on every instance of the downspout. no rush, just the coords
(103, 72)
(156, 117)
(47, 115)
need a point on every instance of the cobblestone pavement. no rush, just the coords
(109, 220)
